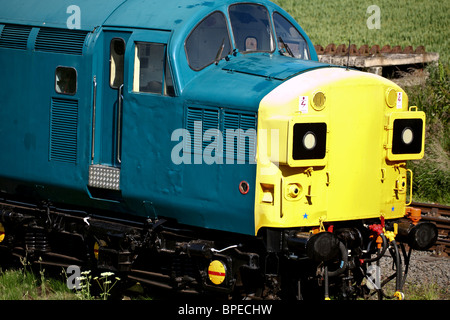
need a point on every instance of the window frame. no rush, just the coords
(76, 81)
(230, 40)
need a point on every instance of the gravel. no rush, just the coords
(426, 270)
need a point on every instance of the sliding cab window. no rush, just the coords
(66, 80)
(251, 26)
(290, 42)
(151, 69)
(208, 42)
(117, 53)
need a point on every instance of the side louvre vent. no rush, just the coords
(14, 37)
(239, 127)
(60, 41)
(63, 130)
(204, 118)
(241, 131)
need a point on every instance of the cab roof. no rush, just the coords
(55, 13)
(154, 14)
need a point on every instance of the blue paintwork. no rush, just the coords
(276, 67)
(53, 13)
(151, 184)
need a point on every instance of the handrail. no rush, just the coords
(410, 187)
(94, 106)
(119, 123)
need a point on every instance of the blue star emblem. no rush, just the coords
(305, 216)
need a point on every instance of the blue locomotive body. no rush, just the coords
(199, 144)
(58, 135)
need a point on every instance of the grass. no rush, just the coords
(25, 285)
(28, 284)
(419, 291)
(403, 22)
(426, 291)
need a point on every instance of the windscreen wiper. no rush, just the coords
(219, 52)
(286, 46)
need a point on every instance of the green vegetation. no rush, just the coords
(28, 284)
(25, 285)
(104, 282)
(403, 22)
(425, 291)
(412, 22)
(432, 173)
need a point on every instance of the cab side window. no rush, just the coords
(66, 80)
(151, 69)
(116, 60)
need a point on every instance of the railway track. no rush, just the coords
(439, 215)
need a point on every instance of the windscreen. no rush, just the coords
(290, 41)
(251, 27)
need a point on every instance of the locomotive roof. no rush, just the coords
(54, 13)
(155, 14)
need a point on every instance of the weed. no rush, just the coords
(106, 284)
(84, 291)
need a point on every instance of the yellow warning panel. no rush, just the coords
(217, 272)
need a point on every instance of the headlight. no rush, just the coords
(302, 140)
(309, 141)
(406, 135)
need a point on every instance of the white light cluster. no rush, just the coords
(104, 177)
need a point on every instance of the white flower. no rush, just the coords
(106, 274)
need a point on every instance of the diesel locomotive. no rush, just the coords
(200, 146)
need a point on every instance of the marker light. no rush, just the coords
(391, 97)
(318, 101)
